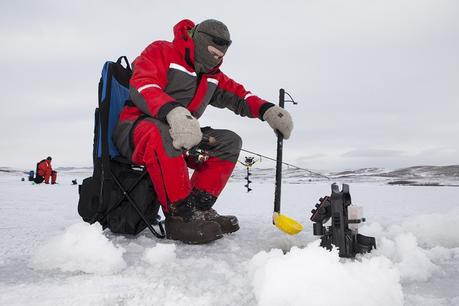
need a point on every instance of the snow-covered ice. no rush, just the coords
(48, 256)
(160, 254)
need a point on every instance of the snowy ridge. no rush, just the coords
(359, 172)
(414, 176)
(410, 172)
(75, 169)
(426, 171)
(12, 170)
(418, 175)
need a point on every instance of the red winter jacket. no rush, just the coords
(44, 168)
(164, 78)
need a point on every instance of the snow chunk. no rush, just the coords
(419, 245)
(435, 229)
(82, 247)
(441, 254)
(412, 261)
(159, 254)
(315, 276)
(430, 230)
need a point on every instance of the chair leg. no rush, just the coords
(141, 215)
(124, 195)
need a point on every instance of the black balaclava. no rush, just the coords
(204, 35)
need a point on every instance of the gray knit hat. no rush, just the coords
(213, 33)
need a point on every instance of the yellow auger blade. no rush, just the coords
(287, 224)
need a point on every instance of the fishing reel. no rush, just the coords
(344, 221)
(198, 154)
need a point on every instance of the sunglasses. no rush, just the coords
(217, 40)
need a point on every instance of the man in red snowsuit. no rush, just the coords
(171, 86)
(45, 172)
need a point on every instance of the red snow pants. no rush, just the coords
(168, 167)
(52, 175)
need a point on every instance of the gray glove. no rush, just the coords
(280, 120)
(184, 128)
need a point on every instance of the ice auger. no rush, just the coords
(248, 163)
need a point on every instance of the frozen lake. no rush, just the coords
(48, 256)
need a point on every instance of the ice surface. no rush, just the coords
(161, 253)
(49, 257)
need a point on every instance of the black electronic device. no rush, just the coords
(344, 220)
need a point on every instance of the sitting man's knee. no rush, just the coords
(236, 141)
(233, 144)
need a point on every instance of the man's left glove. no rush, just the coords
(280, 120)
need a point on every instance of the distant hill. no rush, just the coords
(425, 171)
(12, 170)
(359, 172)
(417, 175)
(74, 169)
(410, 172)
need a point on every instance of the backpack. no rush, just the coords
(38, 178)
(119, 195)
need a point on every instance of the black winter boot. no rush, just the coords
(182, 223)
(204, 202)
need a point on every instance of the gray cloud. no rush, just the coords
(369, 153)
(371, 76)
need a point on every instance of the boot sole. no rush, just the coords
(231, 231)
(203, 241)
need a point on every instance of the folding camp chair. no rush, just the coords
(119, 195)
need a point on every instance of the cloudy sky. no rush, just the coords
(377, 81)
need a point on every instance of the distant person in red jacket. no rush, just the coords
(45, 172)
(171, 86)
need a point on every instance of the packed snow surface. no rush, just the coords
(48, 256)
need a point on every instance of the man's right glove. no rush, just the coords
(280, 120)
(184, 128)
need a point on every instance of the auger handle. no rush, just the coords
(280, 145)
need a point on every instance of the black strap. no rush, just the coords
(36, 169)
(128, 66)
